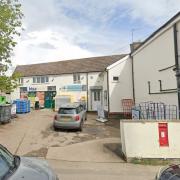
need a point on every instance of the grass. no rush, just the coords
(153, 162)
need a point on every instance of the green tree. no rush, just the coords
(10, 27)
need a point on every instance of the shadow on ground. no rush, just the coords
(115, 148)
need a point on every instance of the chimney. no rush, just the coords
(134, 46)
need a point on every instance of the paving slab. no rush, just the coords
(102, 150)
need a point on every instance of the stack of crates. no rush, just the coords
(22, 106)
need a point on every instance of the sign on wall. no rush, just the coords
(32, 89)
(75, 87)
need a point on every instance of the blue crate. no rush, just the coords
(22, 106)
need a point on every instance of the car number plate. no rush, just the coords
(66, 118)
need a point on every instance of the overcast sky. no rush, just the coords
(68, 29)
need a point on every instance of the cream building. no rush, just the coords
(101, 81)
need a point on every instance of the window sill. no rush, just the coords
(115, 81)
(40, 83)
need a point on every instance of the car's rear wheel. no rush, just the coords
(55, 128)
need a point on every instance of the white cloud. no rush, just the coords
(69, 29)
(31, 50)
(152, 12)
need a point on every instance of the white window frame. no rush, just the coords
(117, 79)
(21, 80)
(77, 78)
(40, 79)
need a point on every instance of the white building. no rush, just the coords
(156, 63)
(98, 80)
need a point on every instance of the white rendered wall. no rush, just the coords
(123, 88)
(140, 139)
(157, 55)
(94, 79)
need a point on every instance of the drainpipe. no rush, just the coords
(108, 91)
(87, 84)
(177, 69)
(133, 84)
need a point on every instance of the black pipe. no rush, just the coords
(87, 84)
(177, 69)
(108, 98)
(165, 91)
(133, 84)
(160, 83)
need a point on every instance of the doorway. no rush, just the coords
(96, 99)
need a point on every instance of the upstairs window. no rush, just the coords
(41, 79)
(21, 80)
(76, 78)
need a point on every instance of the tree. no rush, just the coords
(10, 26)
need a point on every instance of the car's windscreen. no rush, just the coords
(6, 162)
(67, 111)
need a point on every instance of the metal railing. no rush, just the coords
(152, 110)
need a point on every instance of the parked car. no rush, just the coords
(70, 116)
(15, 167)
(171, 172)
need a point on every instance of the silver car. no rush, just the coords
(70, 116)
(15, 168)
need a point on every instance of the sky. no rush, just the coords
(69, 29)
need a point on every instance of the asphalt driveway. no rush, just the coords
(32, 134)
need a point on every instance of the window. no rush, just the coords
(41, 79)
(38, 79)
(23, 89)
(115, 78)
(67, 111)
(76, 78)
(34, 80)
(6, 162)
(21, 80)
(84, 88)
(97, 95)
(47, 79)
(51, 88)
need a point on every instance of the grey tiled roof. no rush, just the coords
(93, 64)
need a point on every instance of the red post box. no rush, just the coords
(163, 134)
